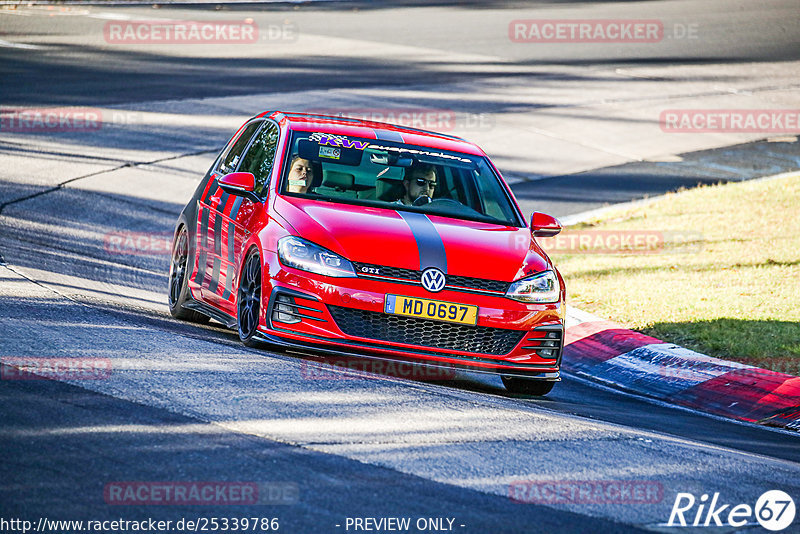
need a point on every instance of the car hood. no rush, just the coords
(413, 240)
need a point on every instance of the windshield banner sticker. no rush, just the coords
(337, 141)
(403, 150)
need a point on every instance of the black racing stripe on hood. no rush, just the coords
(429, 242)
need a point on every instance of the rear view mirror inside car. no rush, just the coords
(392, 160)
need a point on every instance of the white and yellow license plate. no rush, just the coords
(431, 309)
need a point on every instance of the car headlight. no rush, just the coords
(542, 288)
(304, 255)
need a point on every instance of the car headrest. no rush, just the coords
(389, 189)
(338, 180)
(317, 181)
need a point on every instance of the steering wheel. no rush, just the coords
(446, 202)
(451, 206)
(422, 200)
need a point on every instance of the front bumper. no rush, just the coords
(344, 316)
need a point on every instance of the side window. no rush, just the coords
(231, 159)
(261, 156)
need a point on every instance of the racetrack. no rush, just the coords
(189, 403)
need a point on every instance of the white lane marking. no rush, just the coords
(8, 44)
(110, 16)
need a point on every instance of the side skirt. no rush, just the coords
(214, 313)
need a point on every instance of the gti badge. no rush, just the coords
(433, 280)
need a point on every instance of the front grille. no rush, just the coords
(425, 333)
(477, 283)
(466, 282)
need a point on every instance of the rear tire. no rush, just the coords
(248, 301)
(527, 386)
(178, 280)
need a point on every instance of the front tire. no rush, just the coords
(527, 386)
(248, 302)
(178, 280)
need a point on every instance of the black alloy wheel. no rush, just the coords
(178, 287)
(248, 304)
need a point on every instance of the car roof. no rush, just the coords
(309, 122)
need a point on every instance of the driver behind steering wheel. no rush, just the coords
(419, 183)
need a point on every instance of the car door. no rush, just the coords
(229, 215)
(216, 237)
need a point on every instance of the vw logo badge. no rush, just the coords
(433, 280)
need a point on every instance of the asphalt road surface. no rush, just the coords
(573, 126)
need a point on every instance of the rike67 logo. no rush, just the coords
(774, 510)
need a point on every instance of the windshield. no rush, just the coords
(393, 175)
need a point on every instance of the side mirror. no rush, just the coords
(543, 225)
(241, 184)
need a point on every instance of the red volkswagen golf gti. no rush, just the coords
(350, 237)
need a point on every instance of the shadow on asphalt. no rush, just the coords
(59, 462)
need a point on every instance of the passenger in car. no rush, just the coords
(301, 174)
